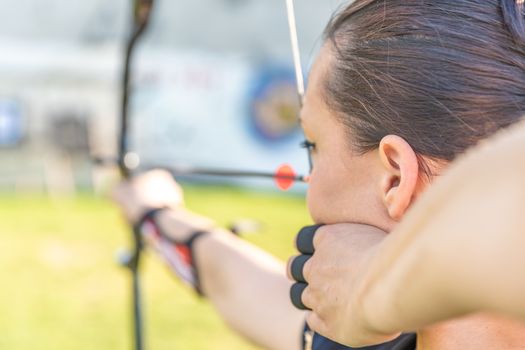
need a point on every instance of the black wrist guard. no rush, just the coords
(178, 255)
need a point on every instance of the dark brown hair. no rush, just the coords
(442, 74)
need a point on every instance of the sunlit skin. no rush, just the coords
(344, 186)
(340, 178)
(377, 189)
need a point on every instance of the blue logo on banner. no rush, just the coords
(11, 123)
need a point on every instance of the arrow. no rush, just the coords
(284, 176)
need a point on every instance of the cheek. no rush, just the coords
(313, 203)
(323, 197)
(339, 194)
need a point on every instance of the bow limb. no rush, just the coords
(142, 11)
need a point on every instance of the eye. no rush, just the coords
(310, 148)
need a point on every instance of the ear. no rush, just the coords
(401, 173)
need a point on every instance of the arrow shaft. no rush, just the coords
(197, 171)
(182, 171)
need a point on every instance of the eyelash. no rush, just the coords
(310, 148)
(308, 145)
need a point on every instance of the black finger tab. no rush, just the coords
(296, 293)
(305, 239)
(297, 266)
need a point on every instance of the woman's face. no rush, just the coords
(343, 185)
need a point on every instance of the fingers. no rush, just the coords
(297, 266)
(123, 197)
(305, 244)
(153, 189)
(296, 295)
(305, 239)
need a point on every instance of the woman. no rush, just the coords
(466, 231)
(399, 89)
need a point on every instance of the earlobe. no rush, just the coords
(401, 174)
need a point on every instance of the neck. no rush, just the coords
(480, 331)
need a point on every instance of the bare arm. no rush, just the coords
(247, 286)
(460, 249)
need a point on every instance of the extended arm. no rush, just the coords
(460, 249)
(248, 287)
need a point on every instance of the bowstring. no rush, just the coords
(292, 26)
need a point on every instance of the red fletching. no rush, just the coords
(284, 177)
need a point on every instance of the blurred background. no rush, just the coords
(213, 85)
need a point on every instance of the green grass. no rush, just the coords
(61, 288)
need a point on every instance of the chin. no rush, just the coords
(323, 213)
(374, 218)
(314, 214)
(327, 217)
(318, 217)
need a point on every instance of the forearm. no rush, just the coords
(247, 286)
(461, 247)
(250, 290)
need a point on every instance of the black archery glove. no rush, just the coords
(305, 244)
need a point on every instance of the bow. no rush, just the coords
(128, 161)
(141, 15)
